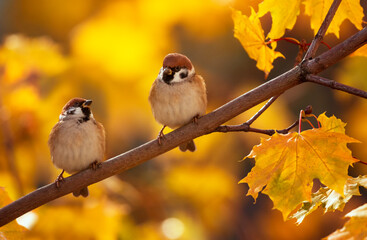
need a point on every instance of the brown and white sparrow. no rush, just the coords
(77, 141)
(178, 95)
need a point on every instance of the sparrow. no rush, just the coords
(178, 95)
(77, 141)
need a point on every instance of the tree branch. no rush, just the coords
(139, 155)
(246, 128)
(266, 106)
(335, 85)
(321, 33)
(205, 125)
(338, 52)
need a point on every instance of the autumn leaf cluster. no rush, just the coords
(288, 164)
(262, 49)
(111, 52)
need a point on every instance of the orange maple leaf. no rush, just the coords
(249, 32)
(287, 164)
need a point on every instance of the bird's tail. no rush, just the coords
(190, 145)
(84, 192)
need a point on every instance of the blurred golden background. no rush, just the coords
(111, 52)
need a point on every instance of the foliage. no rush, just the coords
(288, 164)
(248, 30)
(111, 52)
(330, 199)
(284, 15)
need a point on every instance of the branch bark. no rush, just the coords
(335, 85)
(205, 125)
(245, 127)
(338, 52)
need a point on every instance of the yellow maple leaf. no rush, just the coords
(249, 32)
(331, 124)
(329, 199)
(287, 165)
(355, 228)
(283, 13)
(348, 9)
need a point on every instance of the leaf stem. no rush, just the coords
(301, 114)
(304, 119)
(313, 115)
(288, 39)
(327, 45)
(302, 44)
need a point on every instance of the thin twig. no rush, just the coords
(336, 85)
(322, 30)
(285, 131)
(266, 106)
(242, 128)
(205, 125)
(246, 128)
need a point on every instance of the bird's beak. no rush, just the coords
(87, 103)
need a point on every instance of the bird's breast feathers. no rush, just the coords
(176, 104)
(77, 144)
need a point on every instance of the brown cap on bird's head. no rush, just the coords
(77, 102)
(177, 60)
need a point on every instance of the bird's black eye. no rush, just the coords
(183, 74)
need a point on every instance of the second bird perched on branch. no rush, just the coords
(178, 95)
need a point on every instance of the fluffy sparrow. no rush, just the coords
(178, 95)
(77, 141)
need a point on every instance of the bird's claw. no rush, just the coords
(59, 179)
(94, 165)
(161, 135)
(195, 119)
